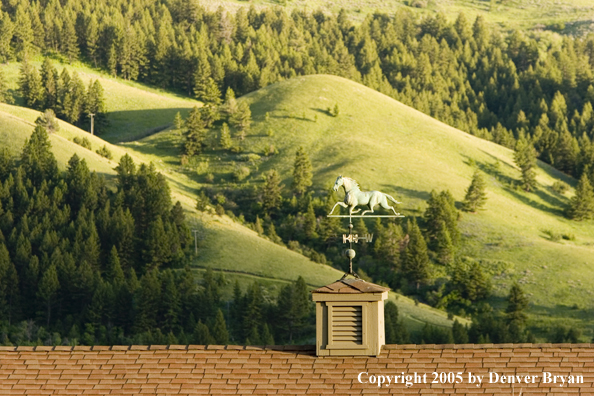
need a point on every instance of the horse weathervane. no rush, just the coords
(353, 197)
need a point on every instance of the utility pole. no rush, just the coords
(195, 232)
(92, 121)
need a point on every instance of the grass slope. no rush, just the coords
(242, 255)
(17, 124)
(225, 246)
(391, 147)
(567, 16)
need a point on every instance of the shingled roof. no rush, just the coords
(285, 370)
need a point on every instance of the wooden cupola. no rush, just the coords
(350, 318)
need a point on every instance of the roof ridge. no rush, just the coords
(68, 348)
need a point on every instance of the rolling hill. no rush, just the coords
(388, 146)
(225, 246)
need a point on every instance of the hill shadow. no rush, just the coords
(323, 111)
(556, 204)
(292, 117)
(163, 148)
(422, 195)
(133, 125)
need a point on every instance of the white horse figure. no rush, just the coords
(353, 197)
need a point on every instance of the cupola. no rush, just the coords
(350, 318)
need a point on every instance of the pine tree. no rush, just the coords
(178, 121)
(293, 307)
(64, 94)
(6, 34)
(271, 191)
(444, 247)
(310, 223)
(4, 264)
(81, 191)
(148, 297)
(202, 335)
(517, 302)
(470, 281)
(210, 115)
(395, 330)
(9, 286)
(5, 96)
(70, 41)
(37, 159)
(525, 159)
(92, 38)
(49, 83)
(581, 206)
(272, 235)
(230, 105)
(208, 93)
(242, 119)
(267, 338)
(442, 208)
(415, 265)
(225, 140)
(195, 133)
(475, 194)
(112, 61)
(95, 104)
(301, 172)
(23, 33)
(157, 251)
(460, 333)
(130, 51)
(205, 88)
(114, 271)
(79, 98)
(171, 301)
(48, 288)
(30, 86)
(258, 226)
(221, 334)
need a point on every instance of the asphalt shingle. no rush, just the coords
(292, 370)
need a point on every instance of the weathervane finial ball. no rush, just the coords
(350, 253)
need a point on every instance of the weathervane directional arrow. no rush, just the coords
(356, 238)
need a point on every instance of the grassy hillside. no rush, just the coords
(135, 110)
(17, 123)
(388, 146)
(225, 246)
(567, 16)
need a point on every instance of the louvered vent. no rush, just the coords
(347, 324)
